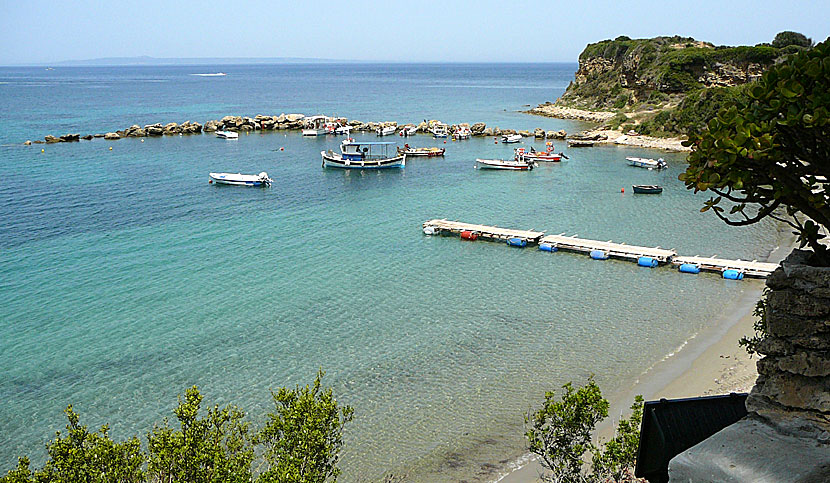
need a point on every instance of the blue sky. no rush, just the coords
(415, 30)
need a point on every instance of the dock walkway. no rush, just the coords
(752, 268)
(645, 256)
(611, 249)
(484, 231)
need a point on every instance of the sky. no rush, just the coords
(413, 31)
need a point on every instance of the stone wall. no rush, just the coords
(794, 375)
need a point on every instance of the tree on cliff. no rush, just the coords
(787, 38)
(770, 156)
(303, 436)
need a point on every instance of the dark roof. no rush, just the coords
(671, 426)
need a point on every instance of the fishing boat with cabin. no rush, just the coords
(439, 130)
(315, 125)
(364, 155)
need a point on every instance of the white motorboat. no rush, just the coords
(408, 131)
(647, 163)
(462, 133)
(386, 131)
(511, 138)
(428, 152)
(239, 179)
(227, 134)
(343, 130)
(364, 155)
(511, 164)
(533, 155)
(439, 130)
(315, 125)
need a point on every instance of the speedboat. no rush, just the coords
(385, 131)
(238, 179)
(511, 164)
(647, 163)
(647, 189)
(343, 130)
(462, 133)
(511, 138)
(439, 130)
(428, 152)
(363, 155)
(227, 134)
(545, 156)
(408, 131)
(315, 125)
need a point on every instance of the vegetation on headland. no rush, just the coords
(769, 155)
(300, 442)
(667, 86)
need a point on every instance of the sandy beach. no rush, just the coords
(708, 364)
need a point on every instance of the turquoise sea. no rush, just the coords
(125, 278)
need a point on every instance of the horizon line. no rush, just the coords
(145, 60)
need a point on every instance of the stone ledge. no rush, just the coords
(754, 450)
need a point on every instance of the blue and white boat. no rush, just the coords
(364, 155)
(239, 179)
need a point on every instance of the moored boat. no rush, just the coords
(462, 133)
(439, 130)
(227, 134)
(509, 164)
(428, 152)
(647, 163)
(315, 125)
(544, 156)
(408, 131)
(511, 138)
(385, 131)
(239, 179)
(579, 143)
(363, 155)
(647, 189)
(343, 130)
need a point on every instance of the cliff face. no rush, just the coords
(623, 73)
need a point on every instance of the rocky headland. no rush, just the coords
(659, 89)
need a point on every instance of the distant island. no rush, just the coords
(664, 86)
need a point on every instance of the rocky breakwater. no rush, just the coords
(293, 122)
(786, 436)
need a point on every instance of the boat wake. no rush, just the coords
(215, 74)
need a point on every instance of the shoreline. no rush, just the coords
(708, 363)
(607, 136)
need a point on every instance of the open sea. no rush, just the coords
(125, 278)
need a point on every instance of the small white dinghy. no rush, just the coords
(239, 179)
(511, 138)
(227, 134)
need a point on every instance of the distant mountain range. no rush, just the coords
(146, 60)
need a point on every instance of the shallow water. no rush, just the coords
(125, 277)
